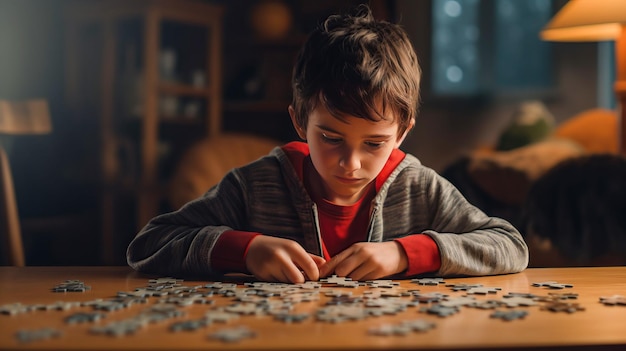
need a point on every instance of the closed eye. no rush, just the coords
(331, 140)
(375, 144)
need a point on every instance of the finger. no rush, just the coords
(308, 265)
(348, 265)
(314, 272)
(330, 267)
(267, 277)
(363, 272)
(319, 260)
(291, 274)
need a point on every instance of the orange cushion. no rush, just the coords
(595, 130)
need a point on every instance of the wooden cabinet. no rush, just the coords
(150, 72)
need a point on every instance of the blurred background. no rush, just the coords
(481, 61)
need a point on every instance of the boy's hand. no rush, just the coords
(367, 261)
(283, 260)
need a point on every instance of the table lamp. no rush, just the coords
(16, 118)
(596, 20)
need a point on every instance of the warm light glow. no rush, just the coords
(587, 20)
(597, 20)
(24, 117)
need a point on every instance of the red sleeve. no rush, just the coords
(229, 252)
(422, 254)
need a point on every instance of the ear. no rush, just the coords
(299, 129)
(406, 132)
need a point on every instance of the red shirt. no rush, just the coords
(340, 226)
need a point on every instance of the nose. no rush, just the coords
(350, 160)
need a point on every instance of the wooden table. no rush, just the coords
(597, 327)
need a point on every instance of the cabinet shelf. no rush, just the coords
(183, 89)
(180, 121)
(139, 116)
(290, 43)
(256, 106)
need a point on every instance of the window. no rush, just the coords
(490, 47)
(606, 75)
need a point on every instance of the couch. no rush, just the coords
(521, 184)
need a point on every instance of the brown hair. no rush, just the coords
(352, 62)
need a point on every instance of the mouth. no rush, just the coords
(348, 180)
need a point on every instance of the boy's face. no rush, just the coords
(348, 155)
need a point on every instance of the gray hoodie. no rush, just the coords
(267, 196)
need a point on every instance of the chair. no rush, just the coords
(206, 162)
(9, 219)
(29, 117)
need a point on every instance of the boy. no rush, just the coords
(346, 201)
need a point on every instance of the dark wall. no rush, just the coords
(48, 169)
(52, 173)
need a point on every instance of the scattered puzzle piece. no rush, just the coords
(142, 293)
(14, 309)
(233, 334)
(429, 297)
(341, 281)
(383, 292)
(483, 290)
(552, 297)
(310, 285)
(186, 299)
(84, 317)
(71, 286)
(458, 301)
(402, 328)
(519, 294)
(564, 296)
(518, 301)
(428, 281)
(509, 315)
(382, 283)
(419, 325)
(340, 313)
(245, 309)
(613, 300)
(463, 286)
(165, 282)
(26, 336)
(62, 305)
(337, 293)
(220, 316)
(439, 310)
(220, 285)
(118, 328)
(343, 300)
(305, 296)
(487, 304)
(552, 285)
(189, 325)
(557, 306)
(387, 306)
(116, 304)
(277, 307)
(291, 317)
(389, 329)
